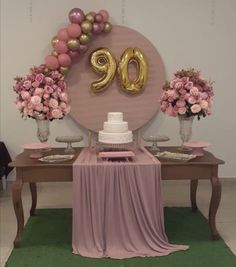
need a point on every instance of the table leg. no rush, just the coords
(214, 204)
(193, 194)
(33, 190)
(18, 207)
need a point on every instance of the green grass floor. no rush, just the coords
(47, 243)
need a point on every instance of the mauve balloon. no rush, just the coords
(76, 15)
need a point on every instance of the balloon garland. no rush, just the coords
(73, 40)
(42, 93)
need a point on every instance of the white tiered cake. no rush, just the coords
(115, 130)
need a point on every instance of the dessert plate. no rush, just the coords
(197, 147)
(36, 149)
(175, 156)
(116, 154)
(56, 158)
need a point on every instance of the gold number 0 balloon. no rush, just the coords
(136, 55)
(103, 62)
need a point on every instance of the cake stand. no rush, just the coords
(197, 147)
(69, 140)
(36, 149)
(155, 140)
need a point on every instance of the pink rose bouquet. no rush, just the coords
(188, 94)
(42, 94)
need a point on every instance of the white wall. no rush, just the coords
(187, 33)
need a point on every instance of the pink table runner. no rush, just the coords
(117, 208)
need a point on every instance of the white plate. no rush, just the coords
(56, 158)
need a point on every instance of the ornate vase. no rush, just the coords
(43, 130)
(185, 129)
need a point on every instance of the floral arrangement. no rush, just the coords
(188, 94)
(42, 94)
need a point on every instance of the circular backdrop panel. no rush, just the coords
(90, 109)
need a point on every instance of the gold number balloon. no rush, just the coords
(130, 55)
(103, 62)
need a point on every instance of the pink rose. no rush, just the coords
(67, 109)
(45, 109)
(204, 95)
(38, 91)
(25, 95)
(63, 105)
(46, 96)
(204, 104)
(35, 100)
(182, 91)
(182, 110)
(49, 81)
(194, 91)
(178, 85)
(35, 84)
(53, 103)
(180, 103)
(192, 100)
(39, 77)
(195, 108)
(27, 84)
(48, 89)
(56, 113)
(64, 97)
(39, 107)
(189, 85)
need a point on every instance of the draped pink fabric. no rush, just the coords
(117, 208)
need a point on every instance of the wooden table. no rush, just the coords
(32, 171)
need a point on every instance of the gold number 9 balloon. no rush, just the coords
(103, 62)
(130, 55)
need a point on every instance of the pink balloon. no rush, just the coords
(62, 35)
(99, 18)
(76, 15)
(104, 14)
(61, 47)
(96, 28)
(102, 25)
(83, 48)
(64, 60)
(74, 30)
(52, 62)
(73, 54)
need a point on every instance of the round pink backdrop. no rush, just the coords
(90, 109)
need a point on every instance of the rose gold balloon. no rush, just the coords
(64, 70)
(90, 18)
(107, 27)
(84, 39)
(54, 53)
(54, 41)
(73, 44)
(86, 26)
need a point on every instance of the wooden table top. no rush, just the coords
(23, 159)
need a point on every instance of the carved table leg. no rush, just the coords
(33, 190)
(214, 204)
(193, 194)
(17, 202)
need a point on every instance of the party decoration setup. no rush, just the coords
(43, 94)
